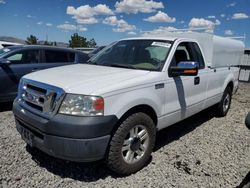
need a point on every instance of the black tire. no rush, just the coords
(115, 159)
(222, 108)
(247, 121)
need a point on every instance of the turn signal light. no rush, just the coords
(99, 104)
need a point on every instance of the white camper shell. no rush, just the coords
(218, 51)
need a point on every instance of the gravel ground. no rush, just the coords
(202, 151)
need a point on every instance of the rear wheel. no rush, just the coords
(247, 121)
(132, 144)
(224, 105)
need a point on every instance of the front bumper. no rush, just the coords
(67, 137)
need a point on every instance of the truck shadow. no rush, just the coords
(90, 172)
(6, 106)
(87, 172)
(245, 182)
(176, 131)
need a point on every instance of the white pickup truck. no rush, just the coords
(112, 107)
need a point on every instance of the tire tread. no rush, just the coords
(113, 159)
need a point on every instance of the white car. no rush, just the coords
(4, 44)
(112, 107)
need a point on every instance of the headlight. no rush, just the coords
(81, 105)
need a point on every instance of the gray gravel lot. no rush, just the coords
(202, 151)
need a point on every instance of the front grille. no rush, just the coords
(34, 106)
(36, 89)
(40, 97)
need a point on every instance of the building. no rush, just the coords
(245, 67)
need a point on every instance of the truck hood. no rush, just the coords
(83, 78)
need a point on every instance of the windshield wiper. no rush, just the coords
(121, 65)
(91, 62)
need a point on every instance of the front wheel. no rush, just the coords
(132, 144)
(247, 121)
(224, 105)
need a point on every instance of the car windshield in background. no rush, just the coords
(134, 54)
(95, 51)
(3, 51)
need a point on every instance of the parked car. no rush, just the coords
(95, 51)
(4, 44)
(112, 107)
(247, 121)
(16, 61)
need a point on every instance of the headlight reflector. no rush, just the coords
(82, 105)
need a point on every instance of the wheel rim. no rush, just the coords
(226, 103)
(135, 144)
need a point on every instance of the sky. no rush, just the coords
(111, 20)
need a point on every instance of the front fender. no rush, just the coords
(119, 104)
(229, 78)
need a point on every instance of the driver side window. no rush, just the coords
(24, 57)
(188, 51)
(182, 53)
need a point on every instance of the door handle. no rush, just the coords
(197, 80)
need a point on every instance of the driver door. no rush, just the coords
(186, 94)
(22, 62)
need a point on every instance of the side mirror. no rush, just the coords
(184, 68)
(5, 61)
(247, 121)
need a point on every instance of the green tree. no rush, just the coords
(92, 43)
(31, 39)
(47, 43)
(78, 41)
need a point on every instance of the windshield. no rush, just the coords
(95, 51)
(3, 51)
(134, 54)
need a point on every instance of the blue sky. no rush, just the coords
(107, 21)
